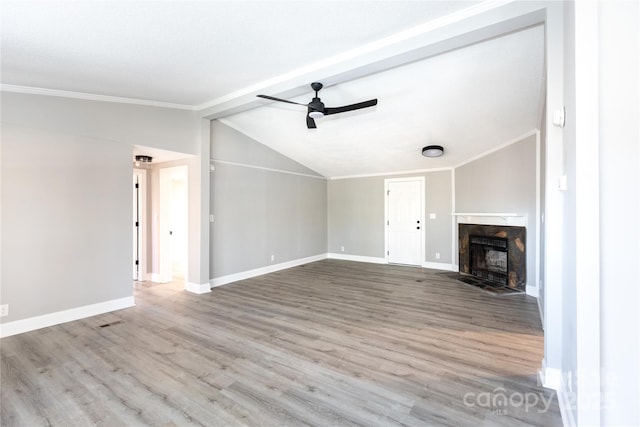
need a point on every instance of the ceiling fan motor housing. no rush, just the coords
(317, 105)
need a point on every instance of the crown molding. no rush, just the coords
(92, 97)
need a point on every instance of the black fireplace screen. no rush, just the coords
(489, 258)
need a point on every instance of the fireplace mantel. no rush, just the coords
(491, 218)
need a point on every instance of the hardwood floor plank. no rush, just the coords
(330, 343)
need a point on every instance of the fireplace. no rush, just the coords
(494, 253)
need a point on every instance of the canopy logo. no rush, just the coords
(499, 401)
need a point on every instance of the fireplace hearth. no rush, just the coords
(494, 254)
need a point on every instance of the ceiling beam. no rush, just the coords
(463, 28)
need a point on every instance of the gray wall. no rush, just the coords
(259, 212)
(356, 216)
(175, 130)
(66, 221)
(503, 181)
(439, 201)
(66, 173)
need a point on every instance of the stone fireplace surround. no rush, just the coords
(496, 227)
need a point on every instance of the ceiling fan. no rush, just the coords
(316, 108)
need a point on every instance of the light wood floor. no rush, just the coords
(332, 343)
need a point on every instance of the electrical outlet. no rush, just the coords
(273, 258)
(211, 218)
(4, 310)
(437, 255)
(342, 248)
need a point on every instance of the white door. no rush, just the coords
(170, 222)
(404, 222)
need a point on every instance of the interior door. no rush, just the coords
(173, 219)
(404, 221)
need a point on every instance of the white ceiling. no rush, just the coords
(209, 54)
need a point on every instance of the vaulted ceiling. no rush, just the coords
(213, 57)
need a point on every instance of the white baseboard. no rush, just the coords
(438, 266)
(197, 288)
(541, 313)
(550, 377)
(154, 277)
(532, 290)
(219, 281)
(58, 317)
(357, 258)
(565, 402)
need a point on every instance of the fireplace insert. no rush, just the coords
(489, 259)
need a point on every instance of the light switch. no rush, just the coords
(432, 216)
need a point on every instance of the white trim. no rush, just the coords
(197, 288)
(406, 172)
(540, 310)
(492, 219)
(498, 148)
(244, 165)
(154, 277)
(92, 97)
(58, 317)
(565, 401)
(357, 258)
(550, 377)
(484, 214)
(230, 278)
(165, 272)
(538, 252)
(455, 251)
(532, 291)
(543, 98)
(438, 266)
(590, 362)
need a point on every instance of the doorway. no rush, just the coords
(173, 222)
(404, 220)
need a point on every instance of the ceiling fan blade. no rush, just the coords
(273, 98)
(311, 124)
(344, 108)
